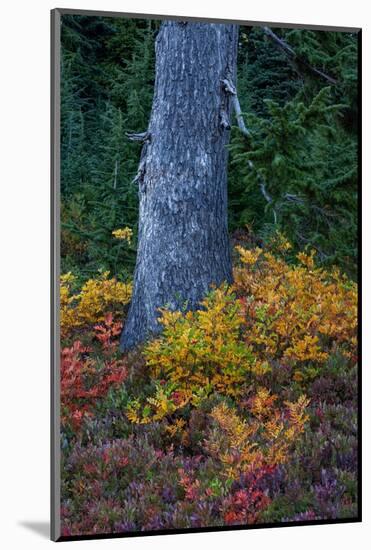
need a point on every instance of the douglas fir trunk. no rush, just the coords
(183, 244)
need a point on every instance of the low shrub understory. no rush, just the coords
(242, 412)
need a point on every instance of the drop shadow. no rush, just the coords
(42, 528)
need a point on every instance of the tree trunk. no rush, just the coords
(183, 244)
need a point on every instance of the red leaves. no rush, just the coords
(124, 461)
(107, 332)
(90, 469)
(245, 506)
(84, 378)
(191, 487)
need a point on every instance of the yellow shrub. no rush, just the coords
(203, 348)
(166, 400)
(95, 299)
(295, 314)
(281, 314)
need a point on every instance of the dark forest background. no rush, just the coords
(302, 180)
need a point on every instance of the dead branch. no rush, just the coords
(296, 58)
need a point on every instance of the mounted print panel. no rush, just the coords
(205, 216)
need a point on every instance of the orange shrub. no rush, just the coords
(295, 314)
(263, 440)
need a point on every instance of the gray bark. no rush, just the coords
(183, 243)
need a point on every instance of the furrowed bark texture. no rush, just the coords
(183, 244)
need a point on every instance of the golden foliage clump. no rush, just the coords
(295, 314)
(275, 315)
(124, 234)
(199, 353)
(91, 304)
(165, 401)
(201, 349)
(263, 440)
